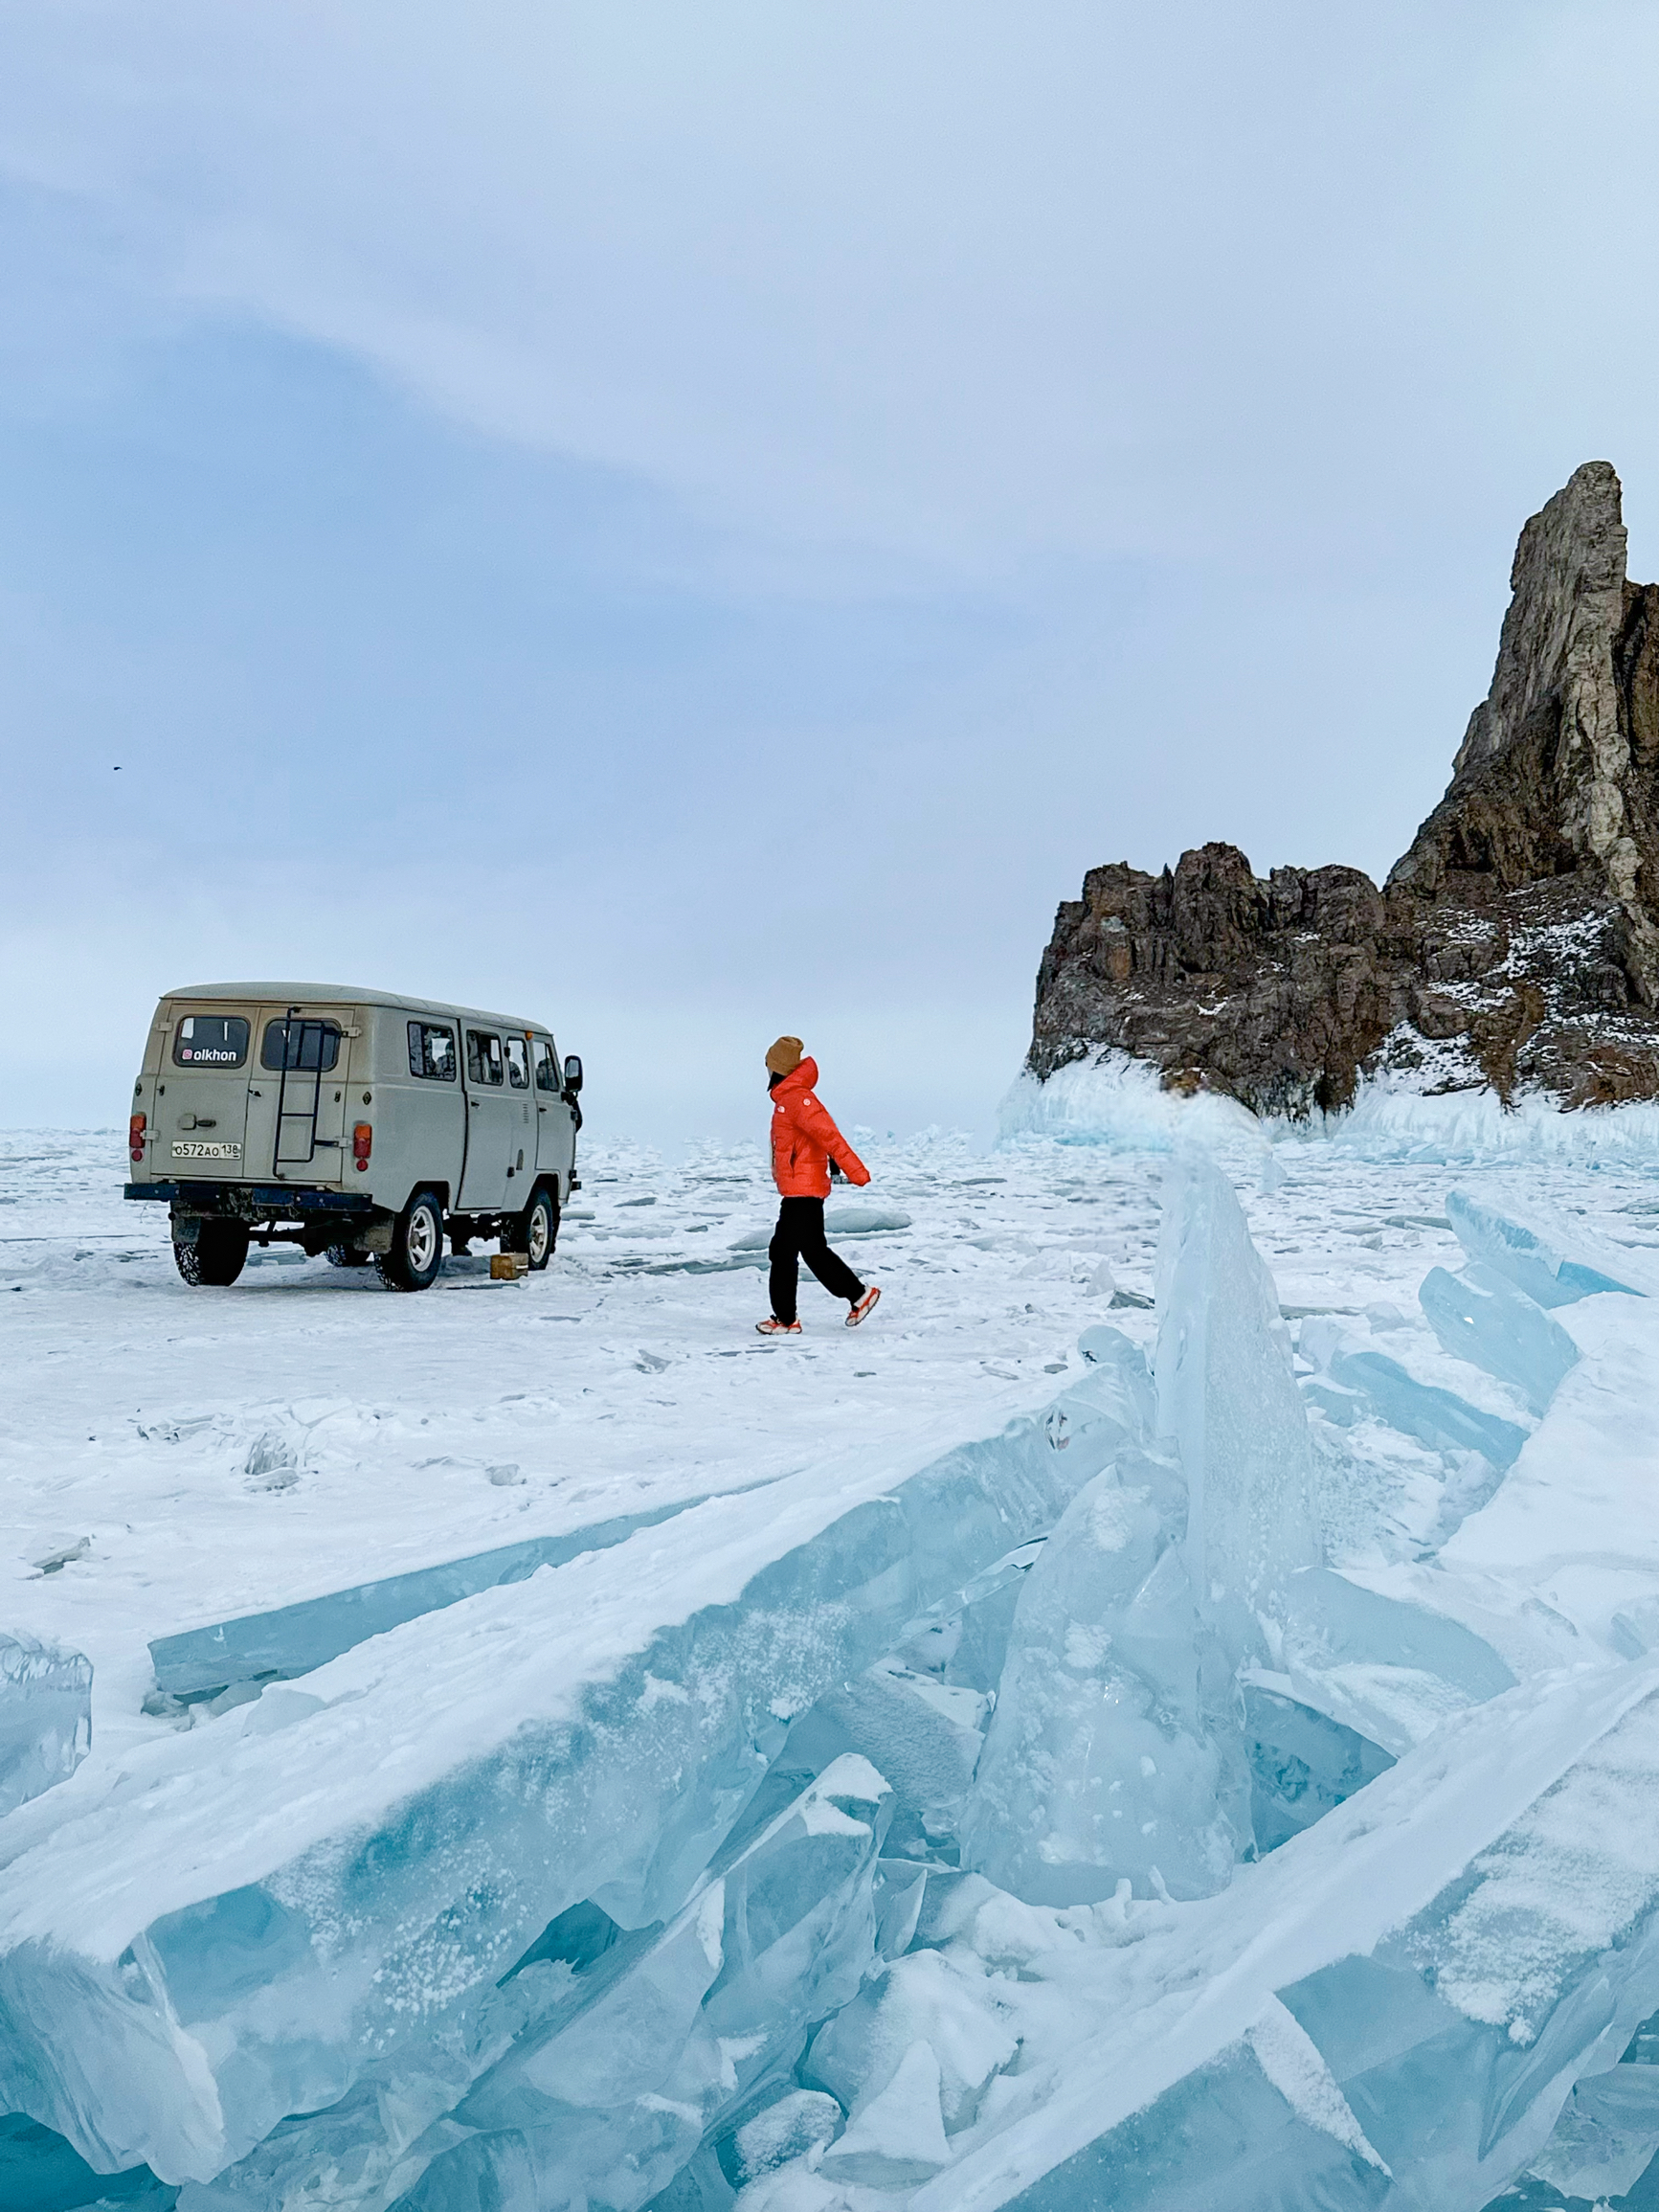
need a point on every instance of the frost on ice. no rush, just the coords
(1063, 1821)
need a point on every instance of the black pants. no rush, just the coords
(799, 1233)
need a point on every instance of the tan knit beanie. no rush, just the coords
(784, 1057)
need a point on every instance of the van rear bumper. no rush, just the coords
(254, 1201)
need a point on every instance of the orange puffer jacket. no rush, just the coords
(805, 1139)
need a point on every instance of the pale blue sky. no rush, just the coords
(699, 523)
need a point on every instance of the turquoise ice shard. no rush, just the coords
(604, 2100)
(45, 1716)
(1438, 1418)
(1115, 1751)
(1550, 1261)
(1227, 1398)
(1480, 1317)
(1097, 1764)
(336, 1899)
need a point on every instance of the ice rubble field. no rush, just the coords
(1168, 1716)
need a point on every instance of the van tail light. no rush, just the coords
(135, 1139)
(361, 1145)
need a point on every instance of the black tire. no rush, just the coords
(217, 1257)
(536, 1232)
(345, 1256)
(416, 1251)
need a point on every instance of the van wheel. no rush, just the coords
(345, 1256)
(536, 1231)
(416, 1245)
(217, 1256)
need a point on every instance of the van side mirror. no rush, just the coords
(572, 1074)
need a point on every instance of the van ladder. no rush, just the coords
(297, 1035)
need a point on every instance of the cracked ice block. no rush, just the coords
(924, 1735)
(45, 1716)
(1439, 1418)
(1606, 2135)
(1394, 2007)
(1228, 1398)
(1550, 1261)
(604, 2099)
(1480, 1317)
(292, 1639)
(261, 1920)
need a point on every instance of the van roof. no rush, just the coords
(289, 994)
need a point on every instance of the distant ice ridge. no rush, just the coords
(1111, 1099)
(45, 1716)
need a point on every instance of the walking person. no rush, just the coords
(804, 1142)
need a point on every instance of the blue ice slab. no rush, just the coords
(1537, 1260)
(1480, 1317)
(372, 1951)
(292, 1639)
(1431, 2071)
(45, 1716)
(1386, 1668)
(1438, 1418)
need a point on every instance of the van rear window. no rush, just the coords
(210, 1041)
(432, 1051)
(311, 1046)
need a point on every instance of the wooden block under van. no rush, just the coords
(508, 1266)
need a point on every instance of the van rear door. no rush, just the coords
(201, 1105)
(299, 1068)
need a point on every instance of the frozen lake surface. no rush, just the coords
(339, 1899)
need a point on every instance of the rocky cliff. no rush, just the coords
(1515, 944)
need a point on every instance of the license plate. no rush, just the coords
(188, 1148)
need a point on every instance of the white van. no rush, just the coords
(356, 1123)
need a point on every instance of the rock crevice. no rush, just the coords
(1514, 945)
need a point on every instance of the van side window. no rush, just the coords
(210, 1041)
(518, 1064)
(310, 1046)
(484, 1056)
(432, 1051)
(547, 1068)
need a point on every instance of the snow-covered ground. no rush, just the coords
(172, 1459)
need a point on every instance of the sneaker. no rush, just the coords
(772, 1326)
(864, 1305)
